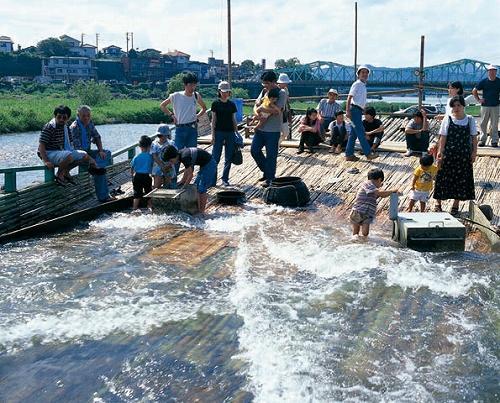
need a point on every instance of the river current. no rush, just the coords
(285, 308)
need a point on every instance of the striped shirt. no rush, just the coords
(327, 109)
(52, 136)
(358, 93)
(366, 199)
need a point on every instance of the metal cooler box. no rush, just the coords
(429, 231)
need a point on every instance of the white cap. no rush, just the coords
(224, 86)
(333, 91)
(363, 66)
(491, 67)
(284, 79)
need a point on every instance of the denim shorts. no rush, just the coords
(58, 156)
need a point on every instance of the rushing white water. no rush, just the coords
(291, 311)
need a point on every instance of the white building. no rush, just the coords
(113, 51)
(76, 48)
(67, 68)
(6, 44)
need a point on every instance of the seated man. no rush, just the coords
(340, 130)
(52, 150)
(374, 129)
(417, 134)
(327, 109)
(83, 134)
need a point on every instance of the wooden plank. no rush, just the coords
(188, 249)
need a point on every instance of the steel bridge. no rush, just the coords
(468, 71)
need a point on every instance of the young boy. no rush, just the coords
(423, 178)
(339, 131)
(163, 173)
(269, 102)
(365, 206)
(190, 157)
(141, 167)
(374, 129)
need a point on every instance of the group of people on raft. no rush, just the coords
(449, 161)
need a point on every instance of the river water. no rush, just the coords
(290, 310)
(19, 149)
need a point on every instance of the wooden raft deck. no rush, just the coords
(325, 174)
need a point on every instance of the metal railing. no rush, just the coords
(10, 174)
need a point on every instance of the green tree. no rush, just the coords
(292, 62)
(175, 83)
(280, 64)
(238, 92)
(52, 47)
(91, 93)
(248, 65)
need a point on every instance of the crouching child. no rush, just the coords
(189, 157)
(365, 206)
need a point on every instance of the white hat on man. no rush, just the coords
(491, 67)
(284, 79)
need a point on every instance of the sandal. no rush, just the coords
(454, 211)
(438, 209)
(69, 179)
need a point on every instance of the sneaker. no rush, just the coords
(371, 156)
(266, 184)
(351, 158)
(225, 183)
(409, 153)
(494, 145)
(481, 144)
(300, 151)
(262, 179)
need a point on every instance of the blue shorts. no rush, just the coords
(58, 156)
(206, 177)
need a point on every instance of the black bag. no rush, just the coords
(237, 156)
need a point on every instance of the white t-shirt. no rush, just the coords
(184, 107)
(443, 130)
(358, 92)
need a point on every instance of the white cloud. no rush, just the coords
(389, 31)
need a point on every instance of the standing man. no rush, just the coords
(184, 114)
(356, 102)
(268, 135)
(327, 109)
(283, 81)
(489, 105)
(83, 134)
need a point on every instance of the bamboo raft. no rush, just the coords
(24, 212)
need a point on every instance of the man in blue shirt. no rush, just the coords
(489, 105)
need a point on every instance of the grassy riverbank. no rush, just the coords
(30, 113)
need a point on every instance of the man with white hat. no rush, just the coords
(355, 105)
(489, 105)
(283, 81)
(327, 108)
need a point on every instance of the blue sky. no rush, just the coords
(389, 31)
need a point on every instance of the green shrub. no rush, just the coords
(91, 93)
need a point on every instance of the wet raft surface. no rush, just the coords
(277, 305)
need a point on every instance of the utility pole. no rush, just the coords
(229, 62)
(421, 74)
(132, 39)
(97, 42)
(355, 39)
(126, 36)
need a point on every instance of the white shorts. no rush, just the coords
(418, 195)
(58, 156)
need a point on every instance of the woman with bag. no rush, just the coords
(224, 127)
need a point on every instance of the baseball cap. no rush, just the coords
(491, 67)
(163, 130)
(224, 86)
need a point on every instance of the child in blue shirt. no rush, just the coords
(141, 167)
